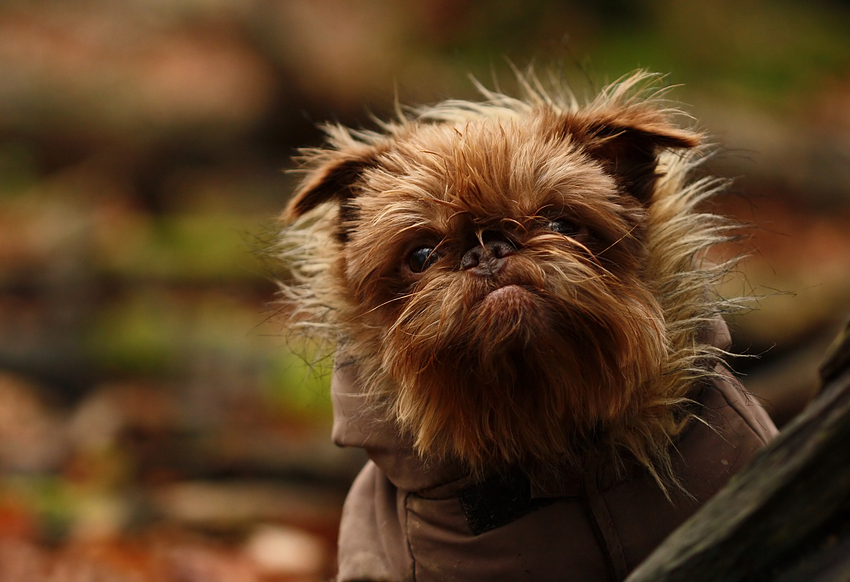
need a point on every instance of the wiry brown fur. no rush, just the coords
(593, 340)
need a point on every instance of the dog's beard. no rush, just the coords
(524, 366)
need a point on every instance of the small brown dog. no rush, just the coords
(526, 341)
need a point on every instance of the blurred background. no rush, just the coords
(155, 421)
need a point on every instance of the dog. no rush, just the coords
(527, 341)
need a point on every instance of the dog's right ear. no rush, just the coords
(329, 175)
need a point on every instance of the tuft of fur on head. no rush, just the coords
(563, 302)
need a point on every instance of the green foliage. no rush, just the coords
(189, 247)
(141, 335)
(297, 387)
(762, 51)
(18, 169)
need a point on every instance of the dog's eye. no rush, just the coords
(565, 227)
(421, 259)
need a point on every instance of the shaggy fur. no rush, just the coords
(520, 281)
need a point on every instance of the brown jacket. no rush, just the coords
(404, 520)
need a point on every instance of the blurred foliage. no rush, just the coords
(768, 51)
(173, 247)
(141, 149)
(298, 384)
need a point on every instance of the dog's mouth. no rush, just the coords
(508, 314)
(509, 295)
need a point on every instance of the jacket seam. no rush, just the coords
(407, 537)
(603, 526)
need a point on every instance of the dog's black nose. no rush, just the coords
(487, 258)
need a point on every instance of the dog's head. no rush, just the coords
(489, 270)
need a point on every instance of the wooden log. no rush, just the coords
(784, 517)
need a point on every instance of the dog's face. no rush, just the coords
(491, 271)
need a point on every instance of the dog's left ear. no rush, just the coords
(330, 175)
(627, 144)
